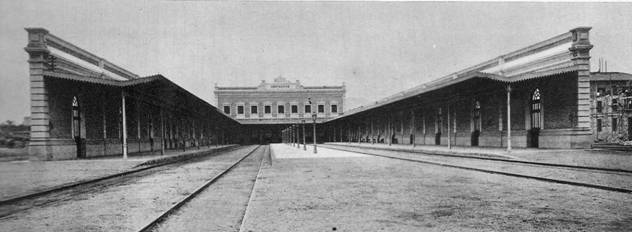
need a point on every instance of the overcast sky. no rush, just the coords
(376, 48)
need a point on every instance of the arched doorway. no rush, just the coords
(80, 140)
(476, 123)
(536, 119)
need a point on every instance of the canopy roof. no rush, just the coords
(546, 58)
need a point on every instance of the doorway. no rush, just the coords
(438, 125)
(476, 123)
(536, 119)
(80, 140)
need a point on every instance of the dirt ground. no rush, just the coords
(124, 207)
(617, 180)
(24, 176)
(581, 157)
(379, 194)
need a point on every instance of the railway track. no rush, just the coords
(164, 216)
(367, 151)
(22, 202)
(578, 167)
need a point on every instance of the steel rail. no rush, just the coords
(151, 225)
(252, 191)
(601, 187)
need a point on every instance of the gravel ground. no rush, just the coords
(20, 177)
(593, 158)
(125, 207)
(380, 194)
(222, 205)
(618, 180)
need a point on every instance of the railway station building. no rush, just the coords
(537, 96)
(541, 96)
(83, 106)
(264, 110)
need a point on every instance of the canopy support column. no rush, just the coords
(509, 118)
(124, 121)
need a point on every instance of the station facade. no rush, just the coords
(83, 106)
(266, 109)
(537, 96)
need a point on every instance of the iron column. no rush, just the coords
(304, 145)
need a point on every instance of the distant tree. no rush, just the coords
(9, 123)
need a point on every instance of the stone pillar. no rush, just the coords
(580, 50)
(39, 145)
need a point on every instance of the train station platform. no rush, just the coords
(291, 152)
(578, 157)
(349, 192)
(23, 177)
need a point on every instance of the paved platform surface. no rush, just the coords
(366, 193)
(291, 152)
(23, 177)
(581, 157)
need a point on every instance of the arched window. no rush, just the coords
(476, 116)
(536, 109)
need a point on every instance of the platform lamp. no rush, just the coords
(313, 123)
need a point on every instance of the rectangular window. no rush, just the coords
(267, 109)
(253, 110)
(598, 125)
(240, 109)
(227, 109)
(601, 92)
(308, 109)
(614, 124)
(294, 109)
(321, 108)
(280, 109)
(334, 108)
(615, 105)
(599, 106)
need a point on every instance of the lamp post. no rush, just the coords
(303, 124)
(313, 123)
(296, 140)
(292, 135)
